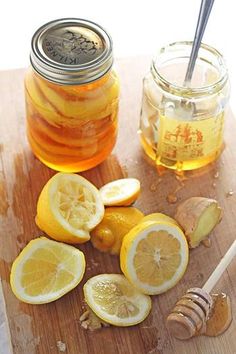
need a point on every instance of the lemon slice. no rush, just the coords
(113, 299)
(69, 206)
(159, 217)
(154, 256)
(45, 270)
(121, 192)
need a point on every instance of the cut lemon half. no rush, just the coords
(159, 217)
(113, 299)
(45, 270)
(69, 206)
(121, 192)
(154, 256)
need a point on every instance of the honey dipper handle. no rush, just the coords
(215, 276)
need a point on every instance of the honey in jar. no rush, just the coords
(71, 95)
(181, 126)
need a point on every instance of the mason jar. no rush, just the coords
(182, 124)
(72, 95)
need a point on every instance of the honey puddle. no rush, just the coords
(220, 317)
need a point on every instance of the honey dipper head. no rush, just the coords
(180, 326)
(189, 314)
(199, 293)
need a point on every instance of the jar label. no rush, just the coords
(189, 140)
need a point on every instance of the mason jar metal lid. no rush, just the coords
(71, 51)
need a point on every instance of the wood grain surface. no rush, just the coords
(36, 329)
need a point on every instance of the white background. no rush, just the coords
(137, 28)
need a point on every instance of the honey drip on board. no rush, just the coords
(206, 242)
(172, 197)
(220, 316)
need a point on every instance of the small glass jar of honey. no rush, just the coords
(181, 126)
(72, 95)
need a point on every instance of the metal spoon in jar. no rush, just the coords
(204, 13)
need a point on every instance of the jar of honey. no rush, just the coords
(181, 126)
(72, 95)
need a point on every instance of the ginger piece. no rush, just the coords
(89, 320)
(61, 346)
(198, 216)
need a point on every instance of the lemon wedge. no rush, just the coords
(154, 256)
(45, 270)
(113, 299)
(69, 206)
(121, 192)
(116, 223)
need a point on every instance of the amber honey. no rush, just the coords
(185, 145)
(182, 127)
(220, 317)
(71, 95)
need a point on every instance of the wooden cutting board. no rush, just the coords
(39, 329)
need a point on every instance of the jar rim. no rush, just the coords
(181, 90)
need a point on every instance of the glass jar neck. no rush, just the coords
(88, 86)
(169, 68)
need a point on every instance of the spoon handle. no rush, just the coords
(204, 13)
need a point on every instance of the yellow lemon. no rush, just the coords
(121, 192)
(116, 223)
(69, 206)
(113, 299)
(45, 270)
(159, 217)
(154, 256)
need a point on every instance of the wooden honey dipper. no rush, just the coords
(191, 312)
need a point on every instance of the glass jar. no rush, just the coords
(71, 95)
(181, 126)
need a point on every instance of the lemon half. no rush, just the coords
(154, 256)
(45, 270)
(69, 206)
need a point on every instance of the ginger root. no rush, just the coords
(198, 216)
(91, 321)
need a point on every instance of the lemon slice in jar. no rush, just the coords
(69, 206)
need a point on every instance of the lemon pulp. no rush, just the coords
(115, 300)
